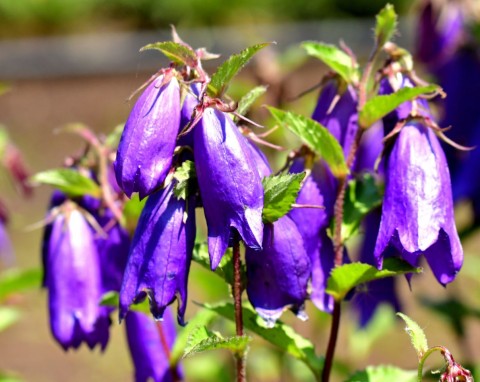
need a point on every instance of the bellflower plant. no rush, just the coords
(146, 147)
(424, 225)
(150, 343)
(160, 255)
(230, 187)
(74, 283)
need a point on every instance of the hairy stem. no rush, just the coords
(237, 298)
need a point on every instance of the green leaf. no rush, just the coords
(69, 181)
(201, 340)
(280, 335)
(201, 319)
(221, 78)
(386, 25)
(316, 136)
(19, 280)
(383, 373)
(362, 196)
(280, 192)
(178, 53)
(132, 210)
(4, 141)
(348, 276)
(7, 377)
(4, 88)
(248, 99)
(8, 316)
(379, 106)
(417, 335)
(112, 298)
(186, 177)
(335, 58)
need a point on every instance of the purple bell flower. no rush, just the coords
(278, 274)
(230, 186)
(441, 31)
(148, 141)
(318, 189)
(368, 297)
(337, 110)
(150, 343)
(417, 214)
(160, 255)
(74, 284)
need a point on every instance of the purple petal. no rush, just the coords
(6, 250)
(150, 343)
(74, 284)
(146, 147)
(230, 186)
(337, 110)
(418, 198)
(160, 255)
(278, 275)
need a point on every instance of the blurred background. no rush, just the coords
(79, 61)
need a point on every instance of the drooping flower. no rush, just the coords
(160, 254)
(150, 343)
(368, 297)
(278, 274)
(319, 189)
(337, 110)
(230, 186)
(148, 141)
(417, 214)
(441, 31)
(74, 283)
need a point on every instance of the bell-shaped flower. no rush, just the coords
(337, 110)
(160, 254)
(148, 141)
(277, 275)
(230, 186)
(74, 283)
(441, 31)
(417, 214)
(150, 343)
(368, 297)
(319, 189)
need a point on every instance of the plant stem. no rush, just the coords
(237, 298)
(166, 349)
(332, 342)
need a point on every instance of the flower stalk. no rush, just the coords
(237, 298)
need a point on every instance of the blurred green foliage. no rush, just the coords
(47, 17)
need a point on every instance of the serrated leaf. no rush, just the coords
(201, 319)
(178, 53)
(361, 197)
(68, 181)
(383, 373)
(417, 335)
(248, 99)
(224, 269)
(202, 340)
(379, 106)
(280, 192)
(186, 177)
(19, 280)
(346, 277)
(221, 78)
(316, 136)
(281, 335)
(335, 58)
(8, 316)
(386, 25)
(112, 299)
